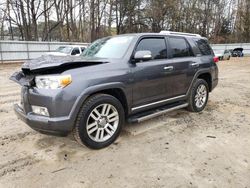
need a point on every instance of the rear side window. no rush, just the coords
(180, 47)
(75, 51)
(203, 46)
(157, 46)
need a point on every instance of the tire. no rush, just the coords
(228, 58)
(98, 128)
(195, 106)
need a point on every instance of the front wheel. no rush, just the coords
(198, 96)
(99, 121)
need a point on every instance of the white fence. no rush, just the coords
(11, 51)
(245, 46)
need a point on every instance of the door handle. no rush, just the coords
(195, 64)
(169, 68)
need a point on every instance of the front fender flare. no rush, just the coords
(89, 91)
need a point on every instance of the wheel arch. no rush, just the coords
(116, 90)
(118, 93)
(207, 77)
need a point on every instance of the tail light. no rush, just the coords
(216, 59)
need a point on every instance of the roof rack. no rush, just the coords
(179, 33)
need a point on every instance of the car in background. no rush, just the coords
(238, 52)
(222, 54)
(68, 50)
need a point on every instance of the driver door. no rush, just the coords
(151, 77)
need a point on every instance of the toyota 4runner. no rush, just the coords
(130, 77)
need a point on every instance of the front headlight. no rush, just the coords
(52, 82)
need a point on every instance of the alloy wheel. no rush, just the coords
(102, 122)
(200, 96)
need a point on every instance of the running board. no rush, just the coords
(154, 113)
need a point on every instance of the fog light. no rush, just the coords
(40, 110)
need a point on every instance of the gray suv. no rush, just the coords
(130, 77)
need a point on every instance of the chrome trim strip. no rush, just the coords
(157, 102)
(162, 112)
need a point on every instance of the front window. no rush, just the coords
(156, 46)
(110, 47)
(64, 49)
(75, 51)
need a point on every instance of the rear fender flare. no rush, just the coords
(197, 74)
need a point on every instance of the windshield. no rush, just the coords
(64, 49)
(111, 47)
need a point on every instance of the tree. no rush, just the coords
(78, 20)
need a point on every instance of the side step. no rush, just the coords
(154, 113)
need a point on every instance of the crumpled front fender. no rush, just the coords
(24, 80)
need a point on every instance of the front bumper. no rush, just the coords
(62, 104)
(53, 126)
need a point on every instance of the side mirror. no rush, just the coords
(143, 55)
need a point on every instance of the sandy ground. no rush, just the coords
(181, 149)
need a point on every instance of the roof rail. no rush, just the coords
(179, 33)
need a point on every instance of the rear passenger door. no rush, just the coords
(184, 63)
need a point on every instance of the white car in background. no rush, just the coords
(222, 54)
(68, 50)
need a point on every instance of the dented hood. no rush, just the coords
(48, 62)
(51, 64)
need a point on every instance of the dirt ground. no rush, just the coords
(181, 149)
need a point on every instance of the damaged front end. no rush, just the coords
(22, 79)
(42, 93)
(50, 65)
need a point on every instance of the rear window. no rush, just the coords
(203, 46)
(180, 47)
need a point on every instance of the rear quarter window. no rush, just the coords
(203, 46)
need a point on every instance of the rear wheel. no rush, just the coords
(99, 121)
(198, 96)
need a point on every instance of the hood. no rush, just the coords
(49, 62)
(56, 53)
